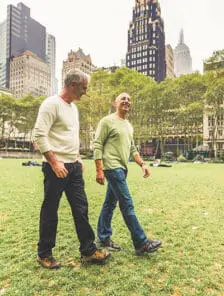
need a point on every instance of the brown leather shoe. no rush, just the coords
(48, 262)
(98, 257)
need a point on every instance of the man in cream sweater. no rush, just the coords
(56, 134)
(112, 147)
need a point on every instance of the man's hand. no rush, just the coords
(59, 169)
(146, 171)
(81, 162)
(100, 177)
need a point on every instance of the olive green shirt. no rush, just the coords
(114, 142)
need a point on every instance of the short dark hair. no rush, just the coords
(74, 75)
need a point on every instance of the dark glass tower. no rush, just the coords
(146, 40)
(23, 33)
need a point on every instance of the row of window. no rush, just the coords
(150, 65)
(220, 133)
(141, 32)
(143, 8)
(141, 48)
(134, 56)
(141, 22)
(143, 37)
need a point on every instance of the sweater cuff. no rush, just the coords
(44, 148)
(97, 154)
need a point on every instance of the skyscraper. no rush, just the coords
(182, 57)
(169, 62)
(23, 33)
(20, 33)
(146, 40)
(51, 60)
(3, 54)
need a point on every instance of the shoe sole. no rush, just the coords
(48, 267)
(101, 246)
(95, 261)
(111, 249)
(140, 253)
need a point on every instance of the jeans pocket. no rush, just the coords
(119, 174)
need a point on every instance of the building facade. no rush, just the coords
(79, 61)
(213, 132)
(146, 40)
(51, 60)
(5, 91)
(213, 125)
(3, 44)
(29, 74)
(182, 57)
(169, 62)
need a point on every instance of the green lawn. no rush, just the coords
(183, 206)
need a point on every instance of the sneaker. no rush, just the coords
(148, 247)
(110, 245)
(48, 262)
(98, 257)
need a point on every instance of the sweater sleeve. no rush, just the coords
(133, 149)
(100, 138)
(45, 119)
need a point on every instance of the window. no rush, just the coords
(220, 133)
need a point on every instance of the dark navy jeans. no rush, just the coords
(117, 191)
(73, 186)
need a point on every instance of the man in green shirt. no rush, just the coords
(112, 147)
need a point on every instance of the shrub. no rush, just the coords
(198, 158)
(181, 158)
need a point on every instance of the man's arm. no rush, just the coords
(99, 171)
(45, 120)
(142, 164)
(57, 166)
(100, 139)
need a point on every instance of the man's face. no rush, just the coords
(79, 88)
(123, 104)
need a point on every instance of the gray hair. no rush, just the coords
(74, 75)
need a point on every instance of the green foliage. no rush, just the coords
(217, 55)
(168, 156)
(198, 157)
(172, 107)
(183, 206)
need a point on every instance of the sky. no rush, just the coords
(100, 27)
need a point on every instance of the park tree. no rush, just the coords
(95, 105)
(190, 91)
(214, 99)
(7, 107)
(26, 113)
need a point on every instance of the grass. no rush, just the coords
(183, 206)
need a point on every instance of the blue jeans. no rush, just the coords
(117, 190)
